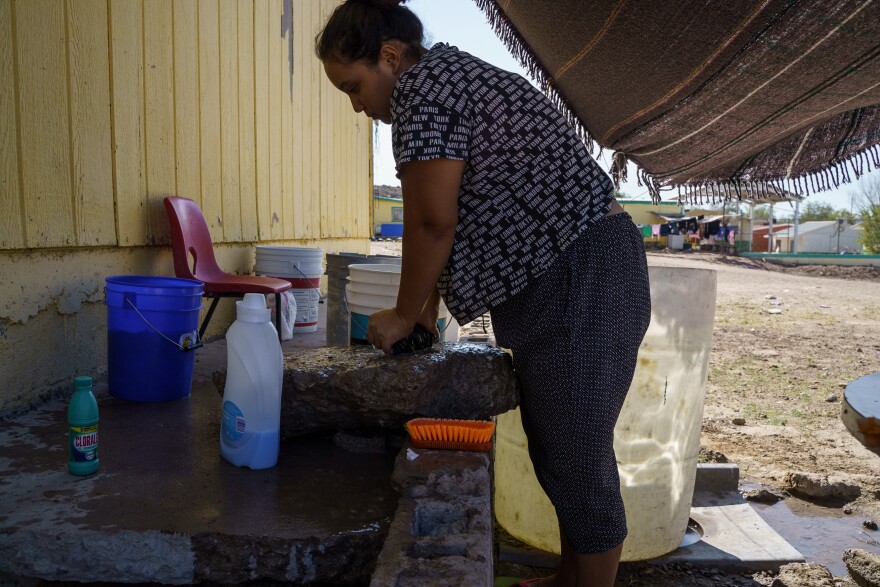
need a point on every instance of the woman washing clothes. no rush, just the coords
(506, 212)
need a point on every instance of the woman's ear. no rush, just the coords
(391, 54)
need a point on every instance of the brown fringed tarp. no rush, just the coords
(717, 94)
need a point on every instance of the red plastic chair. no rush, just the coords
(190, 236)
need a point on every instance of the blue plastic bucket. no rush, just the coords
(392, 229)
(149, 319)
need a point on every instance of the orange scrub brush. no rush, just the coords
(473, 435)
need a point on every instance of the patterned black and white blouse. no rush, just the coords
(529, 189)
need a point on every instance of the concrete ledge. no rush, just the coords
(735, 538)
(94, 556)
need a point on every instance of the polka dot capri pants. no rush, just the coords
(574, 334)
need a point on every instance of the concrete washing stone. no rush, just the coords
(357, 387)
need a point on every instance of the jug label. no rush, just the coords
(233, 426)
(84, 443)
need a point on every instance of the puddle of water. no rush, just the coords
(819, 533)
(692, 535)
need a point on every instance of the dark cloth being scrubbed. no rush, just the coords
(419, 339)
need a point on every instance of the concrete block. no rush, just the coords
(438, 472)
(717, 477)
(442, 530)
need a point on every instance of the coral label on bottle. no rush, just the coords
(234, 425)
(84, 443)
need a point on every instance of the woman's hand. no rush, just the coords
(387, 327)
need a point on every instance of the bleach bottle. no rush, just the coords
(250, 429)
(82, 425)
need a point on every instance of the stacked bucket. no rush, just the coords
(373, 287)
(302, 267)
(338, 315)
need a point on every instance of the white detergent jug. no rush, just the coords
(250, 428)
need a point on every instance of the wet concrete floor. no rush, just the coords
(161, 470)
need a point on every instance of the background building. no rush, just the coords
(823, 236)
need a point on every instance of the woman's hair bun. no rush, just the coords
(357, 29)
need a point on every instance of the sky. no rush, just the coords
(461, 23)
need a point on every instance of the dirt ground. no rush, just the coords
(784, 373)
(776, 380)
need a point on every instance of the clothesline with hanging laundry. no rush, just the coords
(657, 230)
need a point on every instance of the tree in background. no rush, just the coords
(850, 217)
(762, 213)
(868, 194)
(816, 211)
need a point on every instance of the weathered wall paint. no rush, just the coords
(106, 107)
(53, 322)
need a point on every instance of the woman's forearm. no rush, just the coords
(425, 253)
(430, 215)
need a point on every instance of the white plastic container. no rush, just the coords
(338, 318)
(251, 424)
(373, 287)
(303, 268)
(657, 438)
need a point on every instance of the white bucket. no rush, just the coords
(338, 318)
(302, 267)
(657, 437)
(372, 288)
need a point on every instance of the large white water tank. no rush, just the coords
(657, 438)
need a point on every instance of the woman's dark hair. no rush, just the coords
(357, 29)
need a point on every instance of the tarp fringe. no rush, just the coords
(506, 31)
(831, 175)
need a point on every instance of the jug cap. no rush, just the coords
(82, 382)
(252, 308)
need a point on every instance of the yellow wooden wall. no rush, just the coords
(107, 106)
(645, 211)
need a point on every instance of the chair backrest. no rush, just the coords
(190, 236)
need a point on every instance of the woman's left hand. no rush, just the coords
(385, 328)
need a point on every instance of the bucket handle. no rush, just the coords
(295, 265)
(184, 347)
